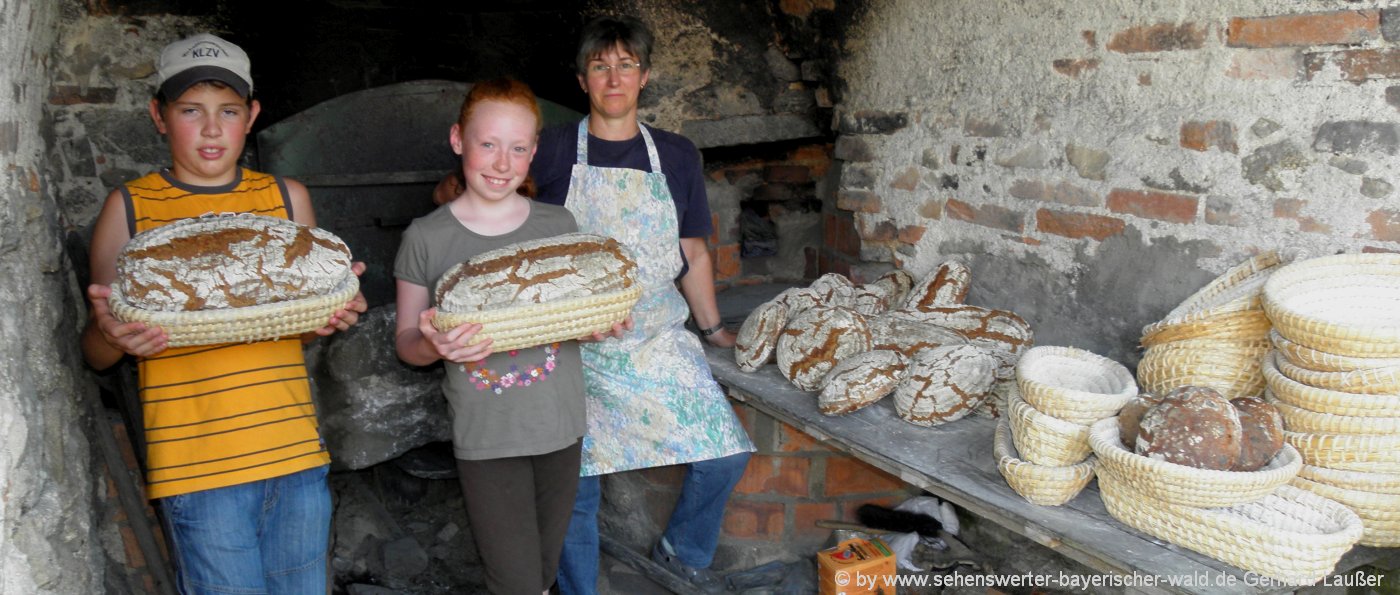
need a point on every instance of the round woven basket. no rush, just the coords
(1322, 400)
(1297, 419)
(1189, 486)
(240, 325)
(1038, 484)
(1228, 367)
(528, 325)
(1384, 483)
(1321, 361)
(1357, 452)
(1236, 290)
(1290, 535)
(1043, 439)
(1347, 304)
(1369, 381)
(1073, 384)
(1246, 325)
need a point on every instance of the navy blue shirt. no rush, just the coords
(680, 162)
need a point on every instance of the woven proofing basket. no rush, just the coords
(1238, 289)
(1383, 483)
(1073, 384)
(1321, 361)
(1298, 419)
(1038, 484)
(1042, 439)
(1357, 452)
(1368, 381)
(1290, 535)
(240, 325)
(1348, 304)
(1229, 367)
(1322, 400)
(1189, 486)
(1238, 326)
(518, 327)
(1380, 513)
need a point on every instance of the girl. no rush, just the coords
(517, 444)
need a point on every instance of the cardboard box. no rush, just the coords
(856, 567)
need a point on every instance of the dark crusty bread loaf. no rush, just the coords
(1262, 425)
(229, 261)
(1193, 426)
(1130, 418)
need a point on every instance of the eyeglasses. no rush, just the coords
(623, 69)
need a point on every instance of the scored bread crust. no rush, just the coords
(535, 272)
(229, 261)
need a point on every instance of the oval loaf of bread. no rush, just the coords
(946, 286)
(816, 339)
(759, 335)
(945, 384)
(535, 272)
(860, 380)
(229, 261)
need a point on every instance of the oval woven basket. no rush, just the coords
(1235, 290)
(240, 325)
(1073, 384)
(518, 327)
(1367, 505)
(1233, 371)
(1357, 452)
(1043, 439)
(1321, 361)
(1290, 535)
(1038, 484)
(1369, 381)
(1189, 486)
(1347, 304)
(1322, 400)
(1384, 483)
(1248, 325)
(1298, 419)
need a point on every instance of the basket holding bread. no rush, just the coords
(229, 278)
(540, 291)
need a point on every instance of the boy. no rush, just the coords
(233, 449)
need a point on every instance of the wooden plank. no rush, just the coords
(955, 462)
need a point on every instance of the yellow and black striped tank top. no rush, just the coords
(221, 415)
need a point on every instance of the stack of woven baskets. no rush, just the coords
(1250, 519)
(1335, 378)
(1215, 338)
(1042, 444)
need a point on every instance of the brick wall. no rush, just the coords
(1097, 165)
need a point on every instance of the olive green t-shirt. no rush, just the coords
(519, 403)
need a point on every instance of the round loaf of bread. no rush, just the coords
(759, 335)
(946, 286)
(896, 285)
(816, 339)
(1262, 428)
(1193, 426)
(798, 299)
(945, 384)
(1130, 418)
(540, 291)
(834, 289)
(221, 262)
(860, 380)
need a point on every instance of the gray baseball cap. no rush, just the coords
(200, 58)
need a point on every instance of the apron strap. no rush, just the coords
(582, 150)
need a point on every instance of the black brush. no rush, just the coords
(889, 519)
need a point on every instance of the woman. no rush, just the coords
(652, 400)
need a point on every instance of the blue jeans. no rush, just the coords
(693, 530)
(267, 536)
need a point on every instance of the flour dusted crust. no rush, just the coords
(798, 299)
(946, 286)
(870, 300)
(945, 384)
(229, 261)
(1001, 332)
(816, 339)
(1193, 426)
(1130, 418)
(834, 289)
(896, 285)
(910, 336)
(759, 335)
(1262, 427)
(860, 380)
(535, 272)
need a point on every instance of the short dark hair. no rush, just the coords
(162, 100)
(604, 33)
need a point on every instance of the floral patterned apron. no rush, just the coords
(652, 400)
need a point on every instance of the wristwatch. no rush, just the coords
(705, 332)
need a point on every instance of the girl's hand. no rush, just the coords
(618, 329)
(453, 345)
(132, 338)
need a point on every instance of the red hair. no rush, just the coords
(508, 91)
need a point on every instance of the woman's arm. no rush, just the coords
(698, 287)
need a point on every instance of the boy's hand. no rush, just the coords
(347, 316)
(453, 345)
(618, 329)
(132, 338)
